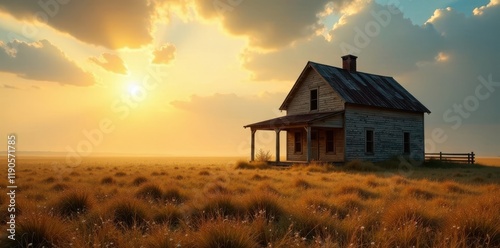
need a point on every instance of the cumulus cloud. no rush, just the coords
(385, 41)
(268, 24)
(164, 55)
(111, 23)
(41, 61)
(111, 62)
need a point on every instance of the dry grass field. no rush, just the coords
(162, 202)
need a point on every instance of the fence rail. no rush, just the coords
(466, 158)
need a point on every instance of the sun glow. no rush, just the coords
(133, 88)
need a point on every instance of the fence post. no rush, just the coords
(440, 156)
(473, 157)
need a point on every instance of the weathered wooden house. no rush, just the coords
(340, 114)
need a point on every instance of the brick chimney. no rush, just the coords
(349, 63)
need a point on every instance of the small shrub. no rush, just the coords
(72, 204)
(139, 180)
(263, 156)
(107, 180)
(151, 191)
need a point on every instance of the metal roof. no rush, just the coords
(364, 88)
(292, 120)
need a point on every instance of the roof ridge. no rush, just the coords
(336, 67)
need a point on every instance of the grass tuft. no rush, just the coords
(359, 165)
(72, 204)
(60, 187)
(139, 180)
(266, 205)
(242, 165)
(150, 191)
(107, 180)
(224, 234)
(38, 231)
(49, 180)
(173, 195)
(301, 183)
(120, 174)
(129, 214)
(169, 215)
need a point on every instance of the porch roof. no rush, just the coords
(289, 121)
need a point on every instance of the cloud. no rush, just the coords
(164, 55)
(6, 86)
(384, 40)
(110, 62)
(41, 61)
(267, 24)
(112, 23)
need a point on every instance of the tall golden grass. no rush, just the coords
(157, 203)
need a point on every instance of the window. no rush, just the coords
(369, 141)
(314, 99)
(406, 142)
(330, 147)
(298, 142)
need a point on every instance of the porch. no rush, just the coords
(310, 137)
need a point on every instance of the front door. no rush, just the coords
(314, 145)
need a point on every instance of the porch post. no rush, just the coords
(252, 145)
(277, 130)
(309, 151)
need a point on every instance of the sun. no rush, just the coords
(133, 88)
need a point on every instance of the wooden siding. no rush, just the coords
(388, 127)
(318, 145)
(335, 121)
(328, 99)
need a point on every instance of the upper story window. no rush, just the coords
(314, 99)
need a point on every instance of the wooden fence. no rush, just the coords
(466, 158)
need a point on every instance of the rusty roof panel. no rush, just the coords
(369, 89)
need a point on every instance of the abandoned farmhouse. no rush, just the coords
(340, 114)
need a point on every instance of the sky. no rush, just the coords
(182, 77)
